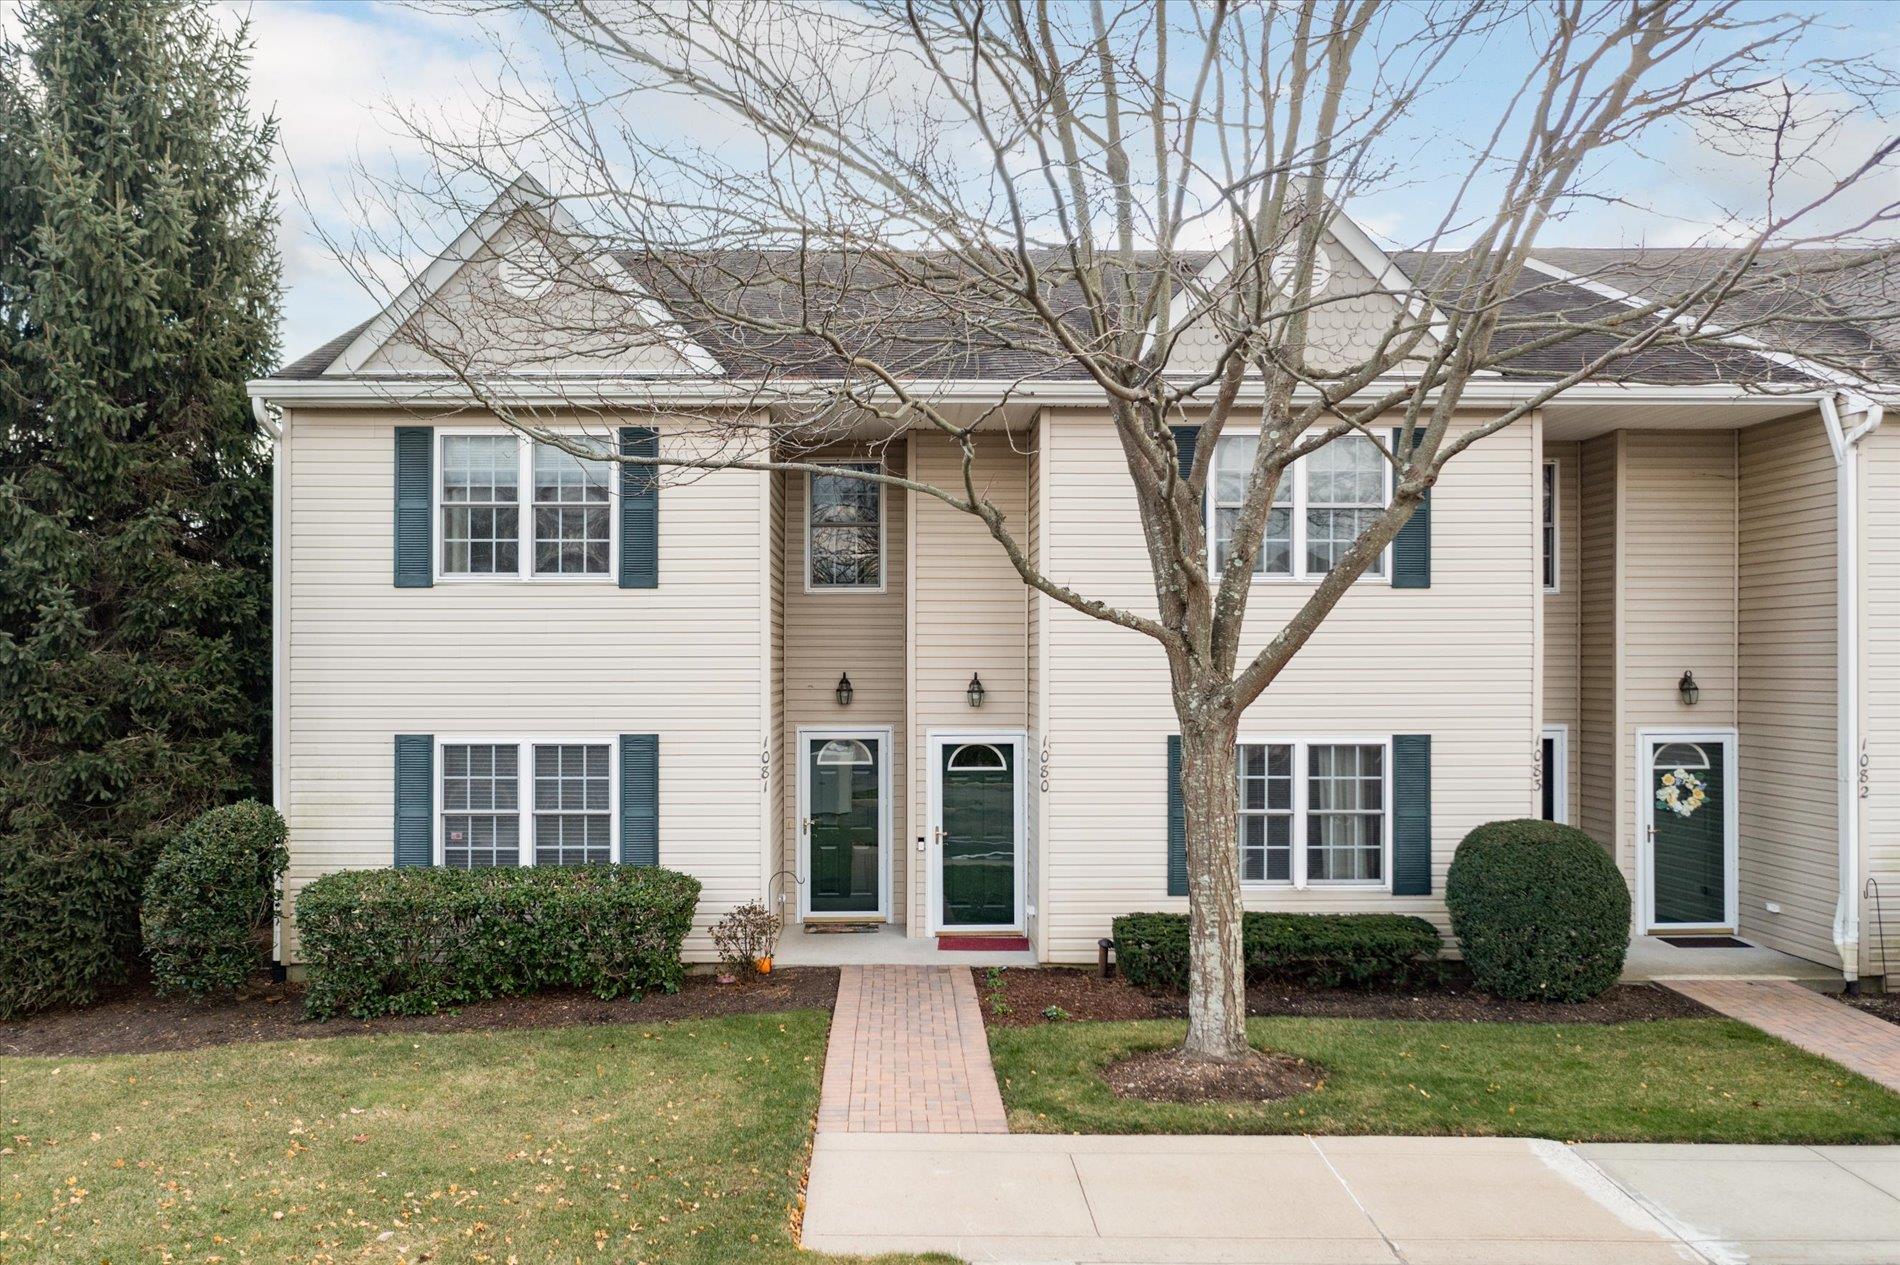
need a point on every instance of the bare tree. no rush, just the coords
(1144, 199)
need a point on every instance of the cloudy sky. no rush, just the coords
(331, 70)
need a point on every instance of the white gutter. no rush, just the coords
(550, 390)
(1845, 442)
(279, 631)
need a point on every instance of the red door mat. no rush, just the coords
(984, 944)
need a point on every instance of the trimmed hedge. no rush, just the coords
(412, 941)
(206, 899)
(1540, 909)
(69, 920)
(1318, 950)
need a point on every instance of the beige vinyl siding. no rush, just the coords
(969, 612)
(1789, 826)
(1600, 594)
(836, 631)
(1456, 661)
(1562, 615)
(368, 660)
(1878, 497)
(1679, 598)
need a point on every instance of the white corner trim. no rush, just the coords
(524, 195)
(279, 433)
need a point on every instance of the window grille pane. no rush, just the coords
(1233, 466)
(481, 515)
(1345, 494)
(1345, 814)
(571, 519)
(481, 823)
(573, 824)
(846, 530)
(1266, 812)
(1550, 525)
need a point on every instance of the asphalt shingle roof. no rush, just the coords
(912, 312)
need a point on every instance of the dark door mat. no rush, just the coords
(983, 944)
(840, 928)
(1705, 942)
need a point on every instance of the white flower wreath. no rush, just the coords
(1681, 792)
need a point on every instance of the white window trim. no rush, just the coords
(1299, 574)
(1297, 862)
(524, 794)
(524, 572)
(1553, 471)
(1560, 797)
(883, 531)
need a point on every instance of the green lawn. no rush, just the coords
(670, 1142)
(1677, 1080)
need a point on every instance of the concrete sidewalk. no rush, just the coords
(1348, 1201)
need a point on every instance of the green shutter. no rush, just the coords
(1412, 548)
(1186, 438)
(1177, 822)
(640, 799)
(1412, 815)
(415, 799)
(639, 510)
(415, 449)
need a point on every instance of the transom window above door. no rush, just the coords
(1319, 508)
(844, 530)
(514, 508)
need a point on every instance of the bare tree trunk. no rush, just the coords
(1217, 986)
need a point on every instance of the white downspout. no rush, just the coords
(1845, 443)
(279, 634)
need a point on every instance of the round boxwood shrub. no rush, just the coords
(212, 891)
(1540, 910)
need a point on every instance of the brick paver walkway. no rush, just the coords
(1803, 1017)
(908, 1055)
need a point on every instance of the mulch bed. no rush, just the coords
(1170, 1076)
(1082, 994)
(135, 1020)
(1879, 1005)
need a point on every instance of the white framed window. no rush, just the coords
(526, 801)
(511, 508)
(1315, 812)
(1266, 813)
(1554, 774)
(844, 530)
(1547, 539)
(1322, 504)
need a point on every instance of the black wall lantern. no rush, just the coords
(844, 690)
(974, 692)
(1689, 690)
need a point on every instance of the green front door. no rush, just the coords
(1688, 851)
(979, 834)
(845, 814)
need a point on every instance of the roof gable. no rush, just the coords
(1362, 292)
(505, 296)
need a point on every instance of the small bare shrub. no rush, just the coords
(744, 936)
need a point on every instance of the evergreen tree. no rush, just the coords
(139, 286)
